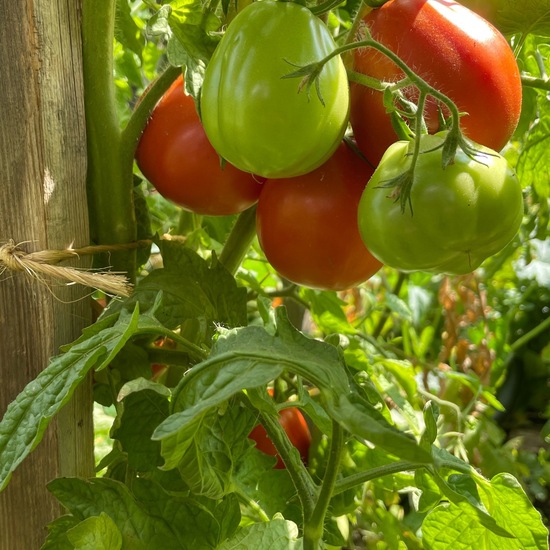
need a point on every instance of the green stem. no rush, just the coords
(188, 222)
(534, 82)
(195, 352)
(533, 333)
(314, 526)
(325, 7)
(387, 311)
(239, 240)
(168, 357)
(253, 505)
(418, 81)
(134, 128)
(110, 180)
(301, 479)
(362, 477)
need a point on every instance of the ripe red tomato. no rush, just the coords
(175, 155)
(307, 225)
(295, 426)
(453, 49)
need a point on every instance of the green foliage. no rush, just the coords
(426, 395)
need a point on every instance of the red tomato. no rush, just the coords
(175, 155)
(307, 225)
(453, 49)
(294, 425)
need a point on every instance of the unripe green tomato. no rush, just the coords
(259, 121)
(457, 217)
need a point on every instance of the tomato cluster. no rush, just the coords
(280, 132)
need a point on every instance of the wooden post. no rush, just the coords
(42, 204)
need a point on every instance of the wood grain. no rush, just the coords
(42, 204)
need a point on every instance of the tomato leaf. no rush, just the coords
(187, 288)
(251, 357)
(142, 412)
(218, 446)
(150, 517)
(28, 416)
(57, 534)
(278, 533)
(527, 17)
(454, 525)
(126, 30)
(96, 533)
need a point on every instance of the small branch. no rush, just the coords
(402, 277)
(298, 472)
(134, 128)
(533, 333)
(362, 477)
(534, 82)
(313, 528)
(239, 240)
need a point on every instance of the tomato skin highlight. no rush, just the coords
(256, 119)
(453, 49)
(175, 155)
(307, 225)
(460, 216)
(297, 430)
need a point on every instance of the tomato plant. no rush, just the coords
(255, 118)
(413, 384)
(451, 48)
(455, 218)
(307, 225)
(295, 427)
(175, 155)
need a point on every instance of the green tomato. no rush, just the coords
(259, 121)
(457, 216)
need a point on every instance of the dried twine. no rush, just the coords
(36, 265)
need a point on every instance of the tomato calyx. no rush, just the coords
(451, 141)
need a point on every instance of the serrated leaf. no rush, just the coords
(219, 445)
(456, 527)
(535, 158)
(126, 30)
(327, 311)
(271, 488)
(398, 306)
(95, 533)
(188, 288)
(278, 534)
(142, 412)
(28, 416)
(525, 17)
(251, 357)
(151, 518)
(431, 495)
(57, 534)
(465, 493)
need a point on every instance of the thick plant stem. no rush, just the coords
(300, 477)
(110, 180)
(239, 240)
(313, 528)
